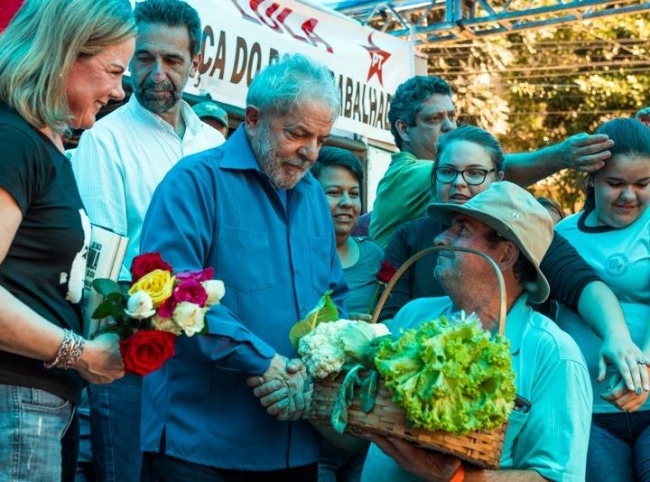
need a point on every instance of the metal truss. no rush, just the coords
(426, 22)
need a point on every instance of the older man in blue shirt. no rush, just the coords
(250, 210)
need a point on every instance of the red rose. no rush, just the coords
(203, 275)
(192, 291)
(146, 351)
(146, 263)
(386, 272)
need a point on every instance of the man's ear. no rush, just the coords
(252, 117)
(402, 129)
(196, 61)
(508, 255)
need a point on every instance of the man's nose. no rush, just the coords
(448, 124)
(442, 239)
(157, 73)
(309, 150)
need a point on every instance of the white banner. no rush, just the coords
(240, 36)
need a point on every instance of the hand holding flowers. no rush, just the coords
(160, 306)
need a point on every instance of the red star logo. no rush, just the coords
(377, 59)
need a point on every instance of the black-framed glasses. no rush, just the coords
(473, 176)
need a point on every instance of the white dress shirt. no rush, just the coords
(122, 159)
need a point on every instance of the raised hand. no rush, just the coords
(585, 152)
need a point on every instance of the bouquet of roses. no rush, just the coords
(159, 306)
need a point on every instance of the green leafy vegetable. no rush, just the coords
(325, 310)
(449, 377)
(339, 417)
(368, 390)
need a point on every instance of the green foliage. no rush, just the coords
(368, 383)
(105, 286)
(324, 311)
(453, 378)
(535, 88)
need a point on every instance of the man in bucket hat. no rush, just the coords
(548, 432)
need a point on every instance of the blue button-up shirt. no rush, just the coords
(276, 257)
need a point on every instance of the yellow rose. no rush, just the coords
(158, 285)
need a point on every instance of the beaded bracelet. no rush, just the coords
(69, 352)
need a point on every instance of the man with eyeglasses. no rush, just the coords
(548, 430)
(421, 111)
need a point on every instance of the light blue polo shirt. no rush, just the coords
(552, 438)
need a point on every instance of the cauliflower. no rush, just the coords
(330, 345)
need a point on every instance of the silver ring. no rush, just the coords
(640, 361)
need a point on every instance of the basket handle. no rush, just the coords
(433, 249)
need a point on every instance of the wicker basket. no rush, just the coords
(481, 448)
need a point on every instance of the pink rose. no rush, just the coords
(191, 291)
(203, 275)
(166, 310)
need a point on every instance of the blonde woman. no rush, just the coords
(60, 62)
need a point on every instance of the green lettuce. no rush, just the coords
(455, 378)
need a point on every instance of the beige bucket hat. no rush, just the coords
(516, 216)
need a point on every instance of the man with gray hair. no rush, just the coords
(118, 165)
(548, 431)
(229, 405)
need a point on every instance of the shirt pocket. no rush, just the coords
(245, 259)
(516, 422)
(319, 248)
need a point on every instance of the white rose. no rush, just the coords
(140, 306)
(166, 324)
(215, 290)
(190, 317)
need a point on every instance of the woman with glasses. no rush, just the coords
(468, 160)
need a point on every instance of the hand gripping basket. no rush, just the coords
(481, 448)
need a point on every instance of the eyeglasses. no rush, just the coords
(473, 176)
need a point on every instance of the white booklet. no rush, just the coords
(105, 257)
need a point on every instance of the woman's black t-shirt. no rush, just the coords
(45, 265)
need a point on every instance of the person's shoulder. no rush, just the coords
(12, 124)
(550, 340)
(206, 160)
(368, 244)
(417, 233)
(406, 163)
(19, 139)
(423, 223)
(212, 135)
(416, 312)
(568, 223)
(112, 129)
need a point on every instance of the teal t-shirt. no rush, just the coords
(620, 257)
(553, 436)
